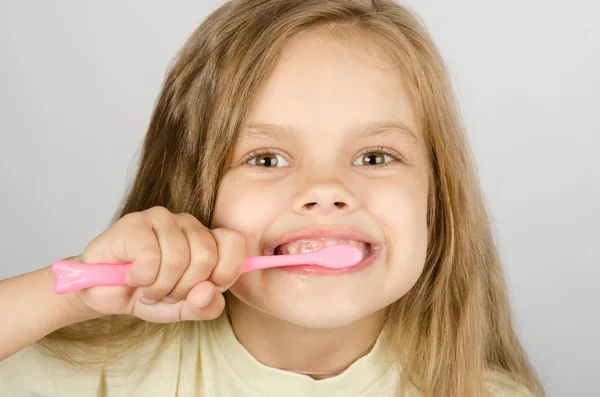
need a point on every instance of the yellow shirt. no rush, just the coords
(213, 363)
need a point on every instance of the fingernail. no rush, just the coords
(147, 301)
(208, 299)
(170, 299)
(221, 289)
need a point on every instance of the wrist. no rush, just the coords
(75, 310)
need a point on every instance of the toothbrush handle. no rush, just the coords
(74, 276)
(265, 262)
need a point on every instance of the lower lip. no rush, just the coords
(323, 271)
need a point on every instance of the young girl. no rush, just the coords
(285, 126)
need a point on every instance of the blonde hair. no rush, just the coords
(455, 324)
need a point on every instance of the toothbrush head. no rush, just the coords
(337, 256)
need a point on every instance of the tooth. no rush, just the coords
(304, 246)
(312, 245)
(305, 250)
(330, 241)
(317, 245)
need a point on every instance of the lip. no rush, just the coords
(321, 231)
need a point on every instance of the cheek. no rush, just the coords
(246, 207)
(401, 210)
(401, 206)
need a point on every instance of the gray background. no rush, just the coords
(78, 81)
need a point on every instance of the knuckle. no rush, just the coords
(231, 239)
(186, 216)
(235, 237)
(146, 273)
(177, 259)
(159, 212)
(151, 255)
(131, 217)
(145, 277)
(206, 256)
(157, 209)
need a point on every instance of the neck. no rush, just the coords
(319, 353)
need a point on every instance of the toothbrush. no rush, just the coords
(74, 276)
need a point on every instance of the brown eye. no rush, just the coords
(268, 160)
(373, 158)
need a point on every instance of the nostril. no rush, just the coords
(337, 204)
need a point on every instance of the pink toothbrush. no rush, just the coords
(73, 276)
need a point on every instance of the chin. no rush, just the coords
(308, 306)
(320, 319)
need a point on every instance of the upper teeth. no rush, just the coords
(304, 246)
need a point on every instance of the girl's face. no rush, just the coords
(330, 154)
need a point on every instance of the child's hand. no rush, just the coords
(177, 262)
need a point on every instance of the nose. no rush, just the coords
(324, 197)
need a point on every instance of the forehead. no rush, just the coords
(321, 83)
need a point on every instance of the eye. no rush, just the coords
(267, 160)
(371, 157)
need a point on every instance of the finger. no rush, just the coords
(109, 246)
(175, 254)
(144, 252)
(203, 257)
(202, 303)
(231, 245)
(130, 240)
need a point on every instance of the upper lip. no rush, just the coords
(315, 232)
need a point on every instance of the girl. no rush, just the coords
(284, 126)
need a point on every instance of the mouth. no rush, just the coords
(308, 245)
(314, 238)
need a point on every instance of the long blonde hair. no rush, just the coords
(455, 323)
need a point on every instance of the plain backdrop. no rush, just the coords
(78, 81)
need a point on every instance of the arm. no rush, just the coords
(30, 310)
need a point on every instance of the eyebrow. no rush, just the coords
(378, 128)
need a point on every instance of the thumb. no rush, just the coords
(203, 302)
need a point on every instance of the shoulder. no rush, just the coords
(501, 385)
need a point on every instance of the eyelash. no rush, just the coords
(380, 149)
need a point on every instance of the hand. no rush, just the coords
(179, 267)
